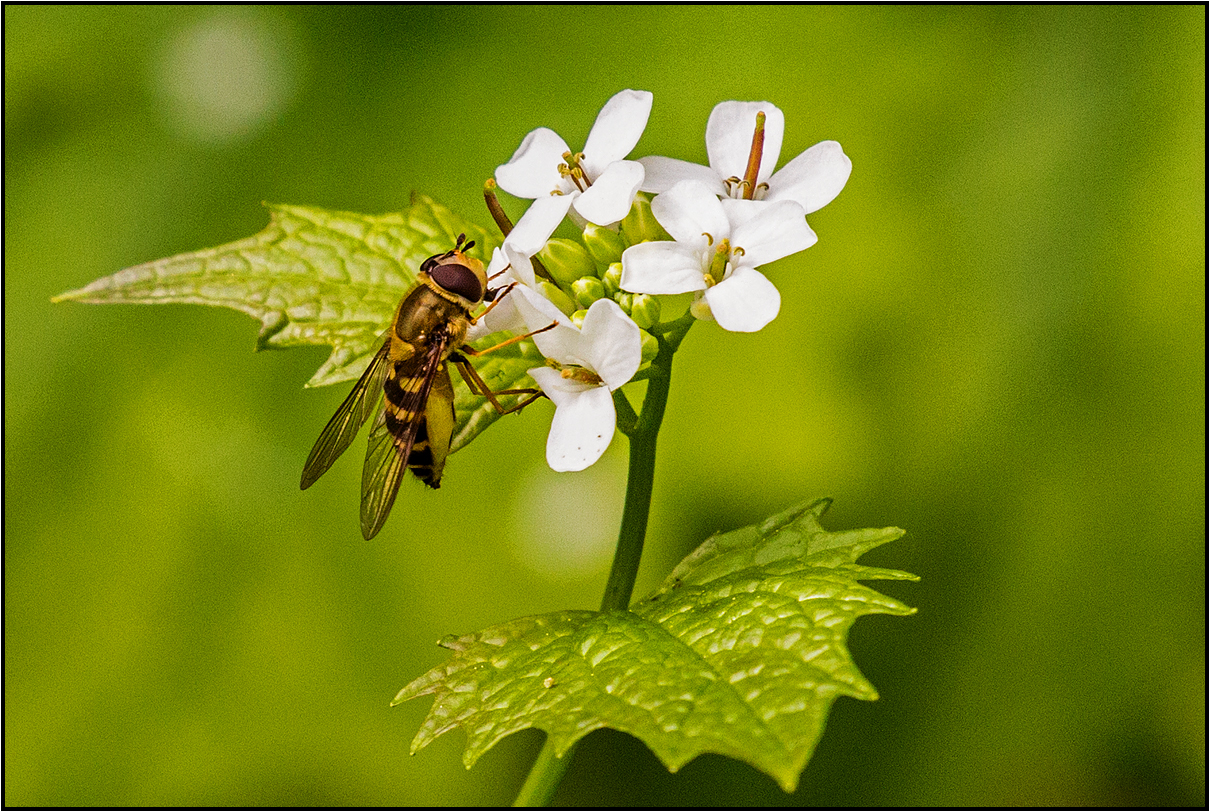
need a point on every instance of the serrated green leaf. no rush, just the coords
(323, 277)
(740, 652)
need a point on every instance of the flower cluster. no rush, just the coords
(707, 230)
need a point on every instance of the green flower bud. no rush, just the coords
(650, 347)
(587, 290)
(624, 300)
(611, 279)
(567, 260)
(645, 310)
(556, 295)
(640, 224)
(577, 318)
(604, 244)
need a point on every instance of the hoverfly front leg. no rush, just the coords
(495, 296)
(474, 352)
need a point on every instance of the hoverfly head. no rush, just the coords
(457, 274)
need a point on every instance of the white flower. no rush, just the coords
(597, 182)
(589, 363)
(813, 179)
(718, 246)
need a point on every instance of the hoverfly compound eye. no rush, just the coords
(458, 279)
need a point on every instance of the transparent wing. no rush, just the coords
(407, 387)
(345, 424)
(384, 470)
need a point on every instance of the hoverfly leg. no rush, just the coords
(494, 296)
(497, 275)
(474, 352)
(479, 386)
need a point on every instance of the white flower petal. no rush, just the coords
(540, 311)
(562, 343)
(814, 178)
(581, 429)
(520, 267)
(729, 137)
(509, 265)
(613, 346)
(478, 331)
(741, 211)
(664, 173)
(617, 129)
(662, 267)
(690, 209)
(745, 301)
(776, 230)
(608, 199)
(499, 264)
(560, 390)
(540, 220)
(533, 171)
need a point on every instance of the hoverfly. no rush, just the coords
(416, 423)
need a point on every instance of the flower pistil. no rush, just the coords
(748, 189)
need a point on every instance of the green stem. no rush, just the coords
(548, 769)
(639, 481)
(544, 776)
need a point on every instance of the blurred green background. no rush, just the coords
(998, 343)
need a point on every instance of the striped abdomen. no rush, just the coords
(423, 419)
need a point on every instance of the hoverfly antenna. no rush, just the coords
(469, 246)
(458, 246)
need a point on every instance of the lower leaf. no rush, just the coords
(740, 652)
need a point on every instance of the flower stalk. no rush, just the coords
(641, 473)
(493, 206)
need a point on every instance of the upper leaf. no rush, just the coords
(741, 652)
(321, 277)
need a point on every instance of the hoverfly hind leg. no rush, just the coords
(477, 385)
